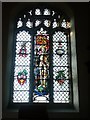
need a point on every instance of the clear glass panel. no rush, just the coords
(19, 23)
(37, 12)
(59, 37)
(20, 96)
(60, 62)
(41, 68)
(21, 84)
(46, 12)
(61, 75)
(23, 36)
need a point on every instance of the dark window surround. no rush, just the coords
(57, 107)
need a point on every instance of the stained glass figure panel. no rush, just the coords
(57, 61)
(41, 68)
(23, 36)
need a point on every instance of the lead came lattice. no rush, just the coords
(60, 68)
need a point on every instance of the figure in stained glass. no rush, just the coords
(41, 70)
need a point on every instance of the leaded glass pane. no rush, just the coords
(29, 24)
(61, 75)
(21, 84)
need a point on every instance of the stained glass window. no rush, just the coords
(42, 57)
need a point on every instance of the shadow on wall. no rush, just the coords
(33, 113)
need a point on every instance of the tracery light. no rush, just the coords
(30, 12)
(46, 11)
(47, 23)
(19, 23)
(64, 24)
(29, 24)
(55, 24)
(37, 23)
(37, 12)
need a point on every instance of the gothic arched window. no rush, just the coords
(42, 57)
